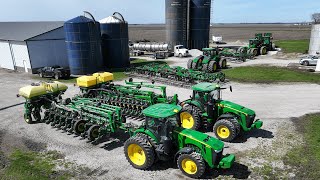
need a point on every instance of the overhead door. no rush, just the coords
(5, 56)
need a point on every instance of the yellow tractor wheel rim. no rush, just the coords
(223, 131)
(187, 120)
(189, 166)
(215, 67)
(136, 154)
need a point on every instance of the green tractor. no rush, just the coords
(162, 138)
(206, 109)
(260, 45)
(210, 61)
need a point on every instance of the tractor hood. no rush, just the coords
(195, 137)
(236, 107)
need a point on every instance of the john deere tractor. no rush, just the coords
(162, 138)
(260, 45)
(206, 109)
(210, 61)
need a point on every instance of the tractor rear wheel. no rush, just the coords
(190, 117)
(255, 52)
(263, 50)
(212, 66)
(194, 65)
(225, 130)
(192, 165)
(139, 152)
(79, 126)
(93, 132)
(189, 65)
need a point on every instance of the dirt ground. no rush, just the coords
(256, 151)
(229, 32)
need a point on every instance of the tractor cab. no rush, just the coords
(205, 92)
(210, 52)
(161, 118)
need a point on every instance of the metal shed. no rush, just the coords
(27, 46)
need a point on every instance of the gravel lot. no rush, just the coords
(274, 104)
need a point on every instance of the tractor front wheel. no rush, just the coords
(139, 152)
(225, 130)
(189, 65)
(191, 165)
(263, 50)
(190, 117)
(212, 66)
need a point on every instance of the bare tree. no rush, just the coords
(316, 18)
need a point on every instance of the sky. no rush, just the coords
(153, 11)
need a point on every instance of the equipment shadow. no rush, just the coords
(255, 133)
(237, 171)
(114, 141)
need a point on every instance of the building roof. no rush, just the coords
(21, 31)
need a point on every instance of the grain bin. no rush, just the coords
(115, 40)
(314, 46)
(177, 22)
(199, 27)
(83, 45)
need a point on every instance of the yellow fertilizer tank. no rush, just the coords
(87, 81)
(103, 77)
(55, 86)
(29, 92)
(32, 91)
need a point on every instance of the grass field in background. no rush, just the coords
(293, 46)
(270, 74)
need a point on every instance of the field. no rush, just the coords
(229, 32)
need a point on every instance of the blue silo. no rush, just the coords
(115, 40)
(83, 45)
(199, 23)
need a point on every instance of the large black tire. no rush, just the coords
(139, 152)
(263, 50)
(191, 165)
(236, 124)
(224, 64)
(225, 130)
(79, 126)
(213, 67)
(306, 63)
(189, 65)
(190, 117)
(93, 132)
(255, 52)
(194, 65)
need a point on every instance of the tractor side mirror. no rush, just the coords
(230, 88)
